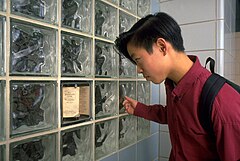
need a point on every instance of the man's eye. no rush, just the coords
(137, 59)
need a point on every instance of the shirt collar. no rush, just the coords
(187, 80)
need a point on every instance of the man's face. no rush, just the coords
(153, 65)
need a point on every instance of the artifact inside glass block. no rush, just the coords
(126, 68)
(36, 8)
(32, 50)
(28, 53)
(75, 102)
(127, 131)
(33, 150)
(105, 138)
(105, 60)
(27, 101)
(41, 9)
(143, 94)
(105, 99)
(76, 55)
(105, 20)
(77, 144)
(129, 5)
(77, 14)
(32, 107)
(125, 22)
(143, 7)
(126, 89)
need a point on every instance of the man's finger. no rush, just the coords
(128, 98)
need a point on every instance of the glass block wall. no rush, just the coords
(61, 82)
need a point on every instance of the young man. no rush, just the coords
(155, 45)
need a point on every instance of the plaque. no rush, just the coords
(75, 101)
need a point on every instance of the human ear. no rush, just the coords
(161, 43)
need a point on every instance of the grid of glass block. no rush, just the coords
(46, 45)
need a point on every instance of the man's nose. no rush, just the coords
(139, 70)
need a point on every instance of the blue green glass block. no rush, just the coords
(105, 138)
(42, 148)
(127, 130)
(2, 152)
(105, 20)
(126, 21)
(43, 10)
(131, 6)
(143, 92)
(76, 55)
(77, 14)
(105, 60)
(2, 110)
(33, 50)
(2, 48)
(32, 107)
(106, 99)
(76, 144)
(143, 7)
(126, 88)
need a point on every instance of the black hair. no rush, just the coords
(147, 30)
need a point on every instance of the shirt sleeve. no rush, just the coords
(228, 142)
(156, 113)
(226, 116)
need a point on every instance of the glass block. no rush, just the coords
(105, 138)
(127, 131)
(113, 1)
(105, 98)
(125, 21)
(129, 5)
(33, 50)
(126, 68)
(33, 107)
(41, 148)
(140, 76)
(76, 55)
(105, 20)
(126, 88)
(77, 144)
(143, 96)
(76, 103)
(2, 5)
(44, 10)
(143, 128)
(143, 92)
(2, 110)
(77, 14)
(105, 60)
(2, 153)
(143, 7)
(2, 51)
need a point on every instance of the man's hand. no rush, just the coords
(129, 105)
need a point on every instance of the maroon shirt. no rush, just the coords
(190, 142)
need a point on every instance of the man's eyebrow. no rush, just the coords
(131, 54)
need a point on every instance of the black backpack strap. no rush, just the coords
(210, 89)
(212, 64)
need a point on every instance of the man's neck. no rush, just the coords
(181, 65)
